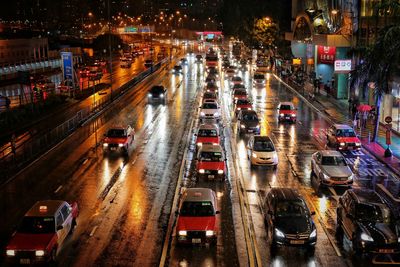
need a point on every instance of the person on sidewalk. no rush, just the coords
(350, 106)
(354, 109)
(364, 119)
(357, 120)
(327, 89)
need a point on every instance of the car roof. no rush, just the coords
(286, 103)
(157, 88)
(199, 194)
(211, 148)
(45, 208)
(208, 126)
(342, 126)
(366, 196)
(282, 193)
(330, 153)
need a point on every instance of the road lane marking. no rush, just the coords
(93, 230)
(58, 189)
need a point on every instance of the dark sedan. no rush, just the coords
(157, 93)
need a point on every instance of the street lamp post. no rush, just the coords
(109, 48)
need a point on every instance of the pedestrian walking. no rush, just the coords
(327, 89)
(358, 122)
(350, 105)
(364, 117)
(354, 109)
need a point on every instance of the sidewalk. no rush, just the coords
(338, 111)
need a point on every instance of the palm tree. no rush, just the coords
(380, 62)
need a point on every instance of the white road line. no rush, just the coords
(58, 189)
(93, 230)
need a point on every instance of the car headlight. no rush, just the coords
(279, 233)
(220, 172)
(209, 233)
(248, 108)
(358, 144)
(202, 114)
(39, 253)
(398, 240)
(150, 95)
(161, 95)
(293, 115)
(366, 237)
(351, 177)
(258, 126)
(10, 252)
(281, 114)
(201, 171)
(236, 97)
(239, 108)
(120, 145)
(183, 232)
(326, 177)
(105, 145)
(342, 144)
(254, 155)
(199, 144)
(313, 233)
(242, 126)
(216, 114)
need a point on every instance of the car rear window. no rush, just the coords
(258, 76)
(197, 208)
(37, 225)
(210, 156)
(209, 95)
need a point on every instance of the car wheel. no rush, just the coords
(53, 255)
(73, 225)
(273, 248)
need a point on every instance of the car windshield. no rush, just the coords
(207, 133)
(209, 95)
(157, 89)
(294, 208)
(210, 106)
(250, 117)
(37, 225)
(116, 133)
(258, 76)
(285, 107)
(243, 102)
(371, 213)
(345, 133)
(178, 67)
(263, 145)
(333, 161)
(237, 86)
(240, 92)
(210, 156)
(211, 58)
(237, 79)
(197, 208)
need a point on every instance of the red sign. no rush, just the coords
(326, 54)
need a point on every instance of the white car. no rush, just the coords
(330, 168)
(258, 79)
(261, 151)
(210, 111)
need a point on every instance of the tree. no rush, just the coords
(380, 63)
(265, 31)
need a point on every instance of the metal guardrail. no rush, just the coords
(14, 157)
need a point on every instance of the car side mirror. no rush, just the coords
(312, 213)
(217, 212)
(60, 227)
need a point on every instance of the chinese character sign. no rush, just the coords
(326, 54)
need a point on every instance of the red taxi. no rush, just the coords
(118, 139)
(211, 162)
(342, 137)
(207, 134)
(42, 232)
(287, 112)
(197, 221)
(242, 104)
(240, 94)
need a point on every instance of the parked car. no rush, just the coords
(118, 139)
(342, 137)
(261, 151)
(365, 219)
(157, 93)
(211, 163)
(197, 220)
(42, 232)
(330, 168)
(248, 122)
(289, 220)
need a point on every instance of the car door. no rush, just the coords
(61, 231)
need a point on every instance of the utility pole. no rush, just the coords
(109, 48)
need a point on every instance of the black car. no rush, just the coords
(365, 219)
(184, 61)
(157, 93)
(248, 122)
(288, 220)
(177, 69)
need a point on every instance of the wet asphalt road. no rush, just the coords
(125, 202)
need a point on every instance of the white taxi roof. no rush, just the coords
(342, 126)
(199, 194)
(286, 103)
(45, 208)
(211, 148)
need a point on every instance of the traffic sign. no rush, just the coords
(388, 119)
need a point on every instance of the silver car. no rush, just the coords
(330, 168)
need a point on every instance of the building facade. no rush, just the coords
(16, 51)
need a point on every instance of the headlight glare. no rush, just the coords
(182, 232)
(120, 145)
(201, 171)
(10, 252)
(105, 145)
(39, 253)
(279, 233)
(209, 233)
(366, 237)
(313, 233)
(242, 126)
(220, 172)
(342, 144)
(254, 155)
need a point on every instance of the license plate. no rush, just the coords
(297, 242)
(113, 148)
(211, 176)
(386, 250)
(196, 240)
(350, 147)
(250, 131)
(288, 118)
(24, 261)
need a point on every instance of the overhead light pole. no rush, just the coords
(109, 48)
